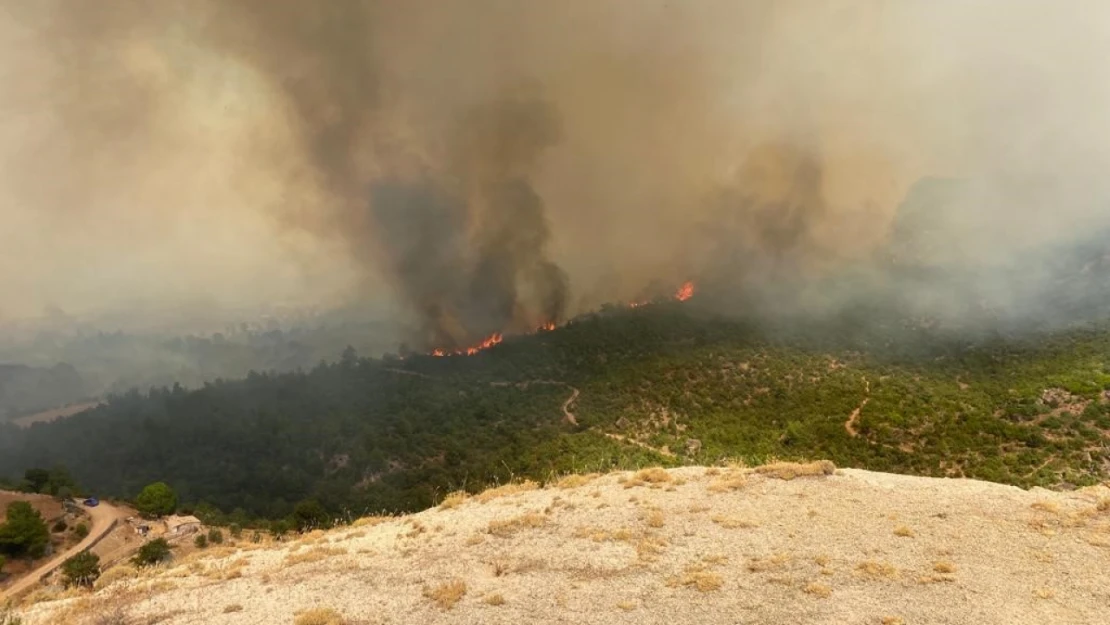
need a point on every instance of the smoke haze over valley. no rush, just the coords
(489, 166)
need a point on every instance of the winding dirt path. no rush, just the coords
(571, 419)
(853, 419)
(103, 519)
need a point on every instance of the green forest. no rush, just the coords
(666, 384)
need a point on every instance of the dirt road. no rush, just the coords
(102, 517)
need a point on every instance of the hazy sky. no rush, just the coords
(225, 152)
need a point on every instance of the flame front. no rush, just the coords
(487, 343)
(684, 292)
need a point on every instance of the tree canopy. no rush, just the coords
(24, 533)
(156, 500)
(82, 569)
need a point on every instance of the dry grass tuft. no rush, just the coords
(1103, 505)
(732, 523)
(903, 531)
(1044, 593)
(235, 607)
(655, 518)
(448, 594)
(731, 481)
(892, 620)
(1046, 506)
(871, 568)
(769, 563)
(627, 605)
(512, 488)
(320, 616)
(944, 567)
(370, 521)
(698, 578)
(818, 590)
(454, 500)
(115, 574)
(654, 475)
(503, 528)
(315, 554)
(791, 470)
(495, 599)
(575, 480)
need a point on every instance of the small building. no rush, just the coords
(182, 525)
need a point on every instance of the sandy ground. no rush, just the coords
(691, 545)
(49, 507)
(102, 517)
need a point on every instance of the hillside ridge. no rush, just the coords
(783, 543)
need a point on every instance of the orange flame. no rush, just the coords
(487, 343)
(685, 292)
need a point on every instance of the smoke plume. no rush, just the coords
(490, 166)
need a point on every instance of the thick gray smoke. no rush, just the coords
(493, 165)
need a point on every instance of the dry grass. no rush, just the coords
(791, 470)
(903, 531)
(454, 500)
(818, 590)
(235, 607)
(512, 488)
(1103, 505)
(627, 605)
(494, 599)
(655, 518)
(731, 481)
(475, 539)
(315, 554)
(877, 570)
(655, 477)
(732, 523)
(944, 567)
(575, 480)
(768, 563)
(699, 578)
(1044, 593)
(115, 574)
(448, 594)
(503, 528)
(892, 620)
(320, 616)
(370, 521)
(1046, 506)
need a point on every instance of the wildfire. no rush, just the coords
(489, 342)
(684, 292)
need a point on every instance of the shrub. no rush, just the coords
(201, 541)
(81, 530)
(153, 552)
(60, 526)
(236, 531)
(215, 536)
(82, 569)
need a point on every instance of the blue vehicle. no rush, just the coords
(92, 502)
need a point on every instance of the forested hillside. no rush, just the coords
(664, 384)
